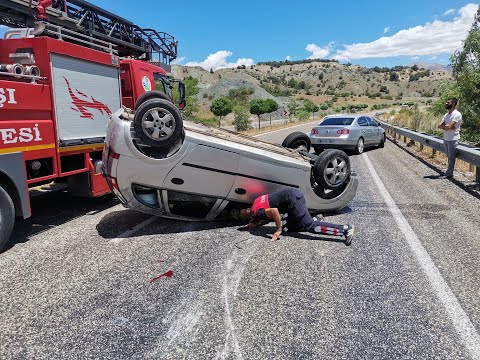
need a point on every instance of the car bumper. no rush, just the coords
(338, 143)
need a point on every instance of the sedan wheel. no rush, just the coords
(298, 141)
(360, 146)
(332, 169)
(382, 142)
(158, 123)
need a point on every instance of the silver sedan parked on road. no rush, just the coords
(347, 132)
(157, 163)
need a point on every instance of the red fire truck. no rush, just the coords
(64, 68)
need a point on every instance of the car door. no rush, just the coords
(375, 131)
(365, 130)
(206, 171)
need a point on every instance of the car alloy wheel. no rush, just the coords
(360, 146)
(332, 170)
(158, 123)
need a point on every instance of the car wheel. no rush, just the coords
(158, 123)
(331, 169)
(360, 147)
(151, 95)
(382, 142)
(7, 217)
(298, 141)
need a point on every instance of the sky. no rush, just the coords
(217, 34)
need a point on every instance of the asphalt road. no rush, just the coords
(81, 279)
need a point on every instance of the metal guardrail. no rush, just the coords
(465, 152)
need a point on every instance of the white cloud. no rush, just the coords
(387, 29)
(434, 57)
(437, 37)
(319, 52)
(218, 60)
(288, 58)
(415, 57)
(449, 12)
(178, 60)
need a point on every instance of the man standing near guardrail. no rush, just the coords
(450, 125)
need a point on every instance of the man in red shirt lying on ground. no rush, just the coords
(292, 205)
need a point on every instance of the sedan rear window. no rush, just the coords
(337, 121)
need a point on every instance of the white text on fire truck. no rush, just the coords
(9, 96)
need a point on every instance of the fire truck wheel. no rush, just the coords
(7, 217)
(151, 95)
(158, 123)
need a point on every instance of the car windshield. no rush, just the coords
(337, 121)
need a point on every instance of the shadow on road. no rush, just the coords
(128, 223)
(471, 188)
(117, 224)
(53, 209)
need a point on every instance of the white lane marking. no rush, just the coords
(286, 128)
(464, 327)
(132, 231)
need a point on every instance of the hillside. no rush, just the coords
(322, 82)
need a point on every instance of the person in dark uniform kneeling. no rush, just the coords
(288, 209)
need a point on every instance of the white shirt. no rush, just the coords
(456, 118)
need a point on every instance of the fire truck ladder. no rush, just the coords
(80, 22)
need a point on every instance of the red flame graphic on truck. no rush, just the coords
(82, 105)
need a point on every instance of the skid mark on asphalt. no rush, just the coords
(235, 267)
(464, 327)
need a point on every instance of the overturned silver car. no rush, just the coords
(157, 163)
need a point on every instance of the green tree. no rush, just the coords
(270, 106)
(240, 95)
(221, 106)
(191, 92)
(303, 115)
(293, 107)
(241, 120)
(466, 72)
(292, 83)
(394, 76)
(257, 107)
(310, 107)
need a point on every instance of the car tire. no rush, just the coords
(158, 123)
(331, 169)
(382, 142)
(7, 217)
(359, 147)
(151, 95)
(297, 140)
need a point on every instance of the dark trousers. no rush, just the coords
(299, 219)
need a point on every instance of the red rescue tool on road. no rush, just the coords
(65, 66)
